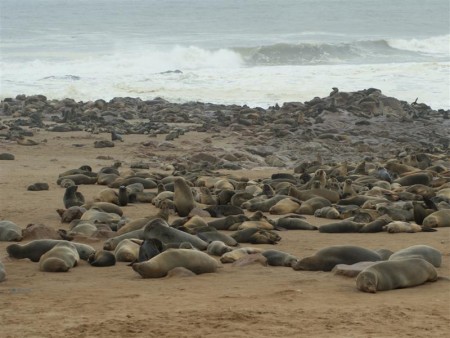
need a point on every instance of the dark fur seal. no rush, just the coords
(345, 226)
(294, 223)
(102, 258)
(150, 248)
(72, 197)
(326, 258)
(182, 198)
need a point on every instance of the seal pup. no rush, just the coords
(72, 197)
(193, 260)
(428, 253)
(102, 258)
(10, 232)
(62, 257)
(183, 198)
(327, 258)
(394, 274)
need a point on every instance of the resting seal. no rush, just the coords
(102, 258)
(399, 226)
(428, 253)
(394, 274)
(344, 226)
(127, 251)
(218, 248)
(159, 229)
(150, 248)
(439, 218)
(35, 249)
(2, 272)
(193, 260)
(327, 258)
(62, 257)
(10, 232)
(279, 258)
(72, 197)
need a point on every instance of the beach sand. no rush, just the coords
(252, 301)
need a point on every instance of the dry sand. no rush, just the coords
(252, 301)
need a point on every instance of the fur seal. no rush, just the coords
(107, 195)
(159, 229)
(264, 205)
(149, 248)
(376, 225)
(10, 232)
(428, 253)
(234, 255)
(327, 258)
(72, 197)
(182, 197)
(440, 218)
(127, 251)
(62, 257)
(211, 236)
(310, 206)
(78, 179)
(35, 249)
(68, 215)
(112, 243)
(294, 223)
(394, 274)
(327, 212)
(399, 226)
(223, 210)
(283, 207)
(123, 196)
(218, 248)
(256, 236)
(102, 258)
(279, 258)
(351, 270)
(415, 178)
(344, 226)
(193, 260)
(104, 206)
(225, 222)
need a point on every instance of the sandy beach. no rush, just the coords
(254, 300)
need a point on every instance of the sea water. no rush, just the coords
(254, 52)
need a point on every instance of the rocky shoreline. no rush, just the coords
(345, 126)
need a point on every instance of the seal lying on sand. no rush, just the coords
(428, 253)
(193, 260)
(10, 232)
(326, 258)
(62, 257)
(35, 249)
(394, 274)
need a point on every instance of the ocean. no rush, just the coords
(253, 52)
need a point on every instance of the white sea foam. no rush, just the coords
(434, 45)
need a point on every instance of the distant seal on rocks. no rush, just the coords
(327, 258)
(72, 197)
(193, 260)
(428, 253)
(394, 274)
(102, 258)
(182, 198)
(10, 232)
(35, 249)
(440, 218)
(62, 257)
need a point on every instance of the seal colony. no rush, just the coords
(238, 216)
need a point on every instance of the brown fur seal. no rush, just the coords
(107, 195)
(35, 249)
(182, 198)
(283, 207)
(256, 236)
(394, 274)
(68, 215)
(78, 179)
(72, 197)
(327, 258)
(264, 205)
(127, 250)
(159, 229)
(2, 272)
(193, 260)
(327, 212)
(225, 222)
(310, 206)
(376, 225)
(428, 253)
(104, 206)
(102, 258)
(294, 223)
(62, 257)
(399, 226)
(416, 178)
(10, 232)
(218, 248)
(440, 218)
(279, 258)
(112, 243)
(345, 226)
(234, 255)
